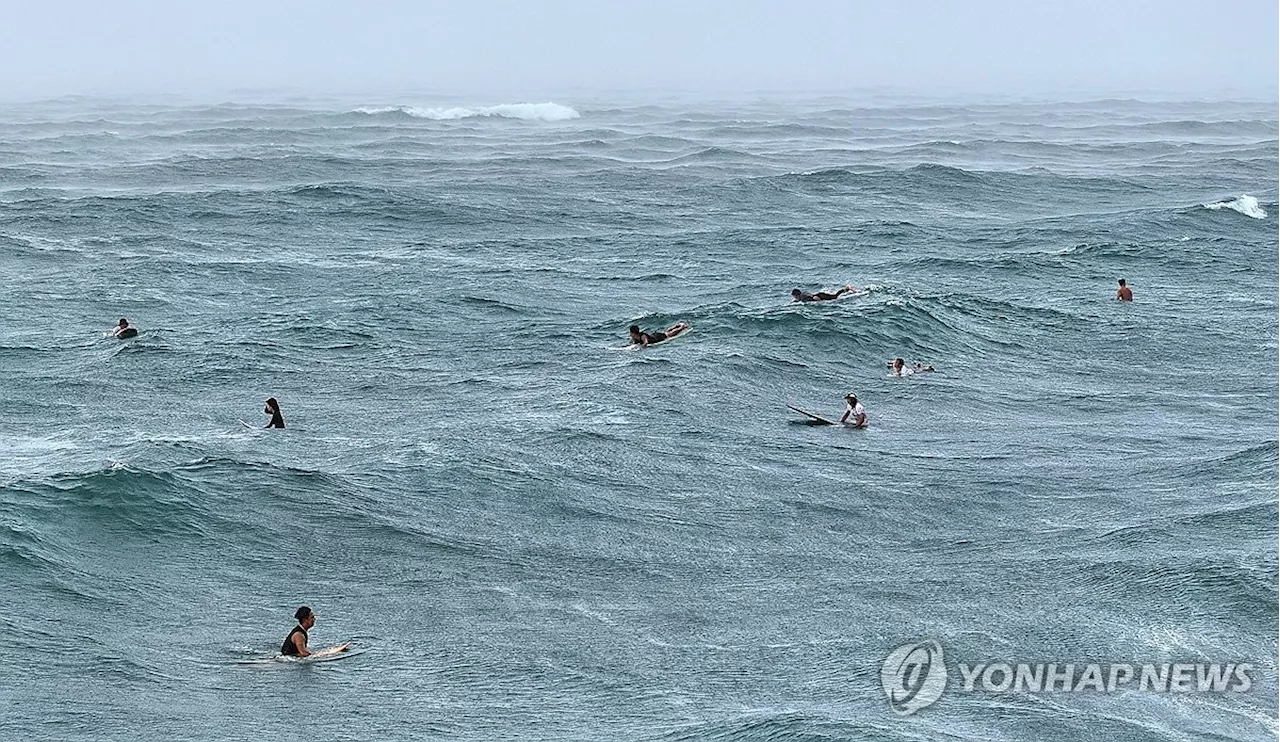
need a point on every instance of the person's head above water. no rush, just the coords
(634, 332)
(1122, 282)
(796, 293)
(123, 322)
(898, 363)
(272, 404)
(306, 619)
(851, 398)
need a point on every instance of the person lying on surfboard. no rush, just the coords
(295, 644)
(123, 330)
(854, 407)
(798, 295)
(650, 338)
(898, 367)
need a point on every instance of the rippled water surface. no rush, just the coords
(536, 535)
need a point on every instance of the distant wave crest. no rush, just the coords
(1246, 204)
(525, 111)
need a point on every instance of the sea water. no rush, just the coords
(533, 535)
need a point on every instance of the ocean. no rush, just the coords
(530, 533)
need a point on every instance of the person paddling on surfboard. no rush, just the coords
(898, 367)
(295, 644)
(650, 338)
(123, 330)
(273, 409)
(854, 407)
(798, 295)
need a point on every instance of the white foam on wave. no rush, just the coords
(1246, 204)
(525, 111)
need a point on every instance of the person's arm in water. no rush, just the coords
(300, 643)
(845, 416)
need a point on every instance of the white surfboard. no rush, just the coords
(813, 419)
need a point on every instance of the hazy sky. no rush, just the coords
(489, 48)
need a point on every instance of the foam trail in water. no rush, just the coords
(1246, 204)
(526, 111)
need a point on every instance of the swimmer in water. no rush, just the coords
(649, 338)
(855, 409)
(1124, 293)
(273, 409)
(295, 644)
(798, 295)
(898, 367)
(123, 330)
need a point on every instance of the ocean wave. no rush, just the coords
(767, 727)
(1245, 586)
(144, 501)
(524, 111)
(1255, 464)
(884, 318)
(714, 155)
(1246, 204)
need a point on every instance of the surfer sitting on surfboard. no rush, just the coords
(854, 407)
(652, 338)
(273, 409)
(123, 330)
(295, 644)
(798, 295)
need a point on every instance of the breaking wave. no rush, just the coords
(524, 111)
(1246, 204)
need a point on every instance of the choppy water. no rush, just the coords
(537, 536)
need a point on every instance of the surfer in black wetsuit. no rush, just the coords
(295, 644)
(798, 295)
(273, 409)
(649, 338)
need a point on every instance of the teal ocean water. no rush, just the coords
(532, 534)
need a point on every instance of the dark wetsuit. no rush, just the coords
(654, 337)
(820, 296)
(277, 420)
(288, 649)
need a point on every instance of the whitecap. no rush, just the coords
(525, 111)
(1246, 204)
